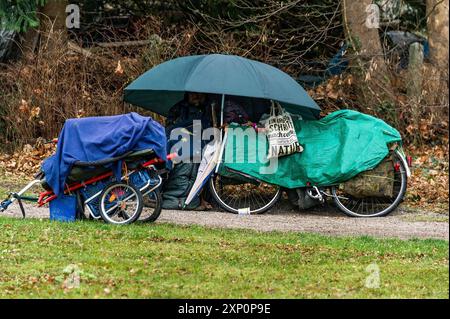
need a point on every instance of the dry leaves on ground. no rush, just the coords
(428, 186)
(26, 162)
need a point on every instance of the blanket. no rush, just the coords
(96, 138)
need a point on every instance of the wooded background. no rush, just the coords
(57, 73)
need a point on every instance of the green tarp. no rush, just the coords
(336, 148)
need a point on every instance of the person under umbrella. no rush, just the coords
(181, 116)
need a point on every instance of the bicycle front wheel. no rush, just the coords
(243, 197)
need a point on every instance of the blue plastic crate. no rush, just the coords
(92, 190)
(141, 178)
(64, 208)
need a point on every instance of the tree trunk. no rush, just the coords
(53, 23)
(369, 65)
(52, 29)
(30, 41)
(53, 15)
(437, 25)
(436, 72)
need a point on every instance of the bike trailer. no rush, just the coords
(108, 167)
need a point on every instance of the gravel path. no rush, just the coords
(399, 224)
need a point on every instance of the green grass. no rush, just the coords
(167, 261)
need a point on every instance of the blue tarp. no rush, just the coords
(96, 138)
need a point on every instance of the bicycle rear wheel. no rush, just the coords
(374, 206)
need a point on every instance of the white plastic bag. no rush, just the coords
(281, 133)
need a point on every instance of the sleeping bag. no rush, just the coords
(178, 186)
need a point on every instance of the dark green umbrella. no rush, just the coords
(164, 85)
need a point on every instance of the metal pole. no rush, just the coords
(221, 150)
(222, 106)
(221, 109)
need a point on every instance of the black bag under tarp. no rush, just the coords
(178, 185)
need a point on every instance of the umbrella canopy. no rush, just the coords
(164, 85)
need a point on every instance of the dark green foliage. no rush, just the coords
(19, 15)
(414, 17)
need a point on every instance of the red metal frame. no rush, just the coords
(48, 196)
